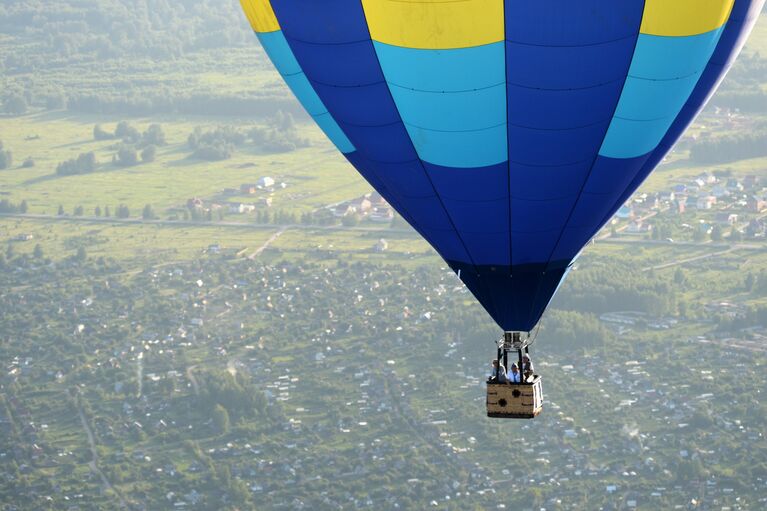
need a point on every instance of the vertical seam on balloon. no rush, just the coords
(591, 168)
(623, 197)
(420, 162)
(508, 138)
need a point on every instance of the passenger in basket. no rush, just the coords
(527, 367)
(514, 376)
(499, 373)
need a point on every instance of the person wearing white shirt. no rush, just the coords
(527, 366)
(499, 373)
(514, 376)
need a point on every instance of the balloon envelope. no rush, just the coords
(507, 133)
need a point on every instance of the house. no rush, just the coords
(265, 201)
(756, 204)
(666, 196)
(23, 237)
(705, 202)
(725, 218)
(265, 182)
(241, 208)
(625, 212)
(343, 210)
(719, 191)
(361, 204)
(194, 203)
(381, 246)
(734, 185)
(381, 215)
(638, 227)
(248, 188)
(680, 204)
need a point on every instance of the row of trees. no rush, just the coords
(83, 164)
(729, 148)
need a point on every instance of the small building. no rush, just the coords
(381, 215)
(265, 182)
(725, 218)
(705, 202)
(248, 188)
(756, 204)
(625, 212)
(381, 246)
(241, 208)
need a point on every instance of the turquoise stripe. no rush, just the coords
(452, 111)
(666, 57)
(306, 94)
(334, 133)
(278, 49)
(453, 102)
(279, 52)
(467, 149)
(443, 70)
(663, 74)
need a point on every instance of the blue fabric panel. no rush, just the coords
(568, 67)
(387, 144)
(486, 183)
(536, 225)
(533, 216)
(279, 51)
(663, 74)
(343, 65)
(325, 22)
(359, 106)
(477, 202)
(455, 70)
(533, 247)
(408, 178)
(547, 183)
(563, 109)
(536, 147)
(572, 23)
(611, 176)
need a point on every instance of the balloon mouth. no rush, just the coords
(514, 296)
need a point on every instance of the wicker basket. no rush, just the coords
(515, 400)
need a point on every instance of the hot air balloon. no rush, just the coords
(506, 132)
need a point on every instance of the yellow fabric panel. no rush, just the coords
(684, 17)
(261, 15)
(435, 24)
